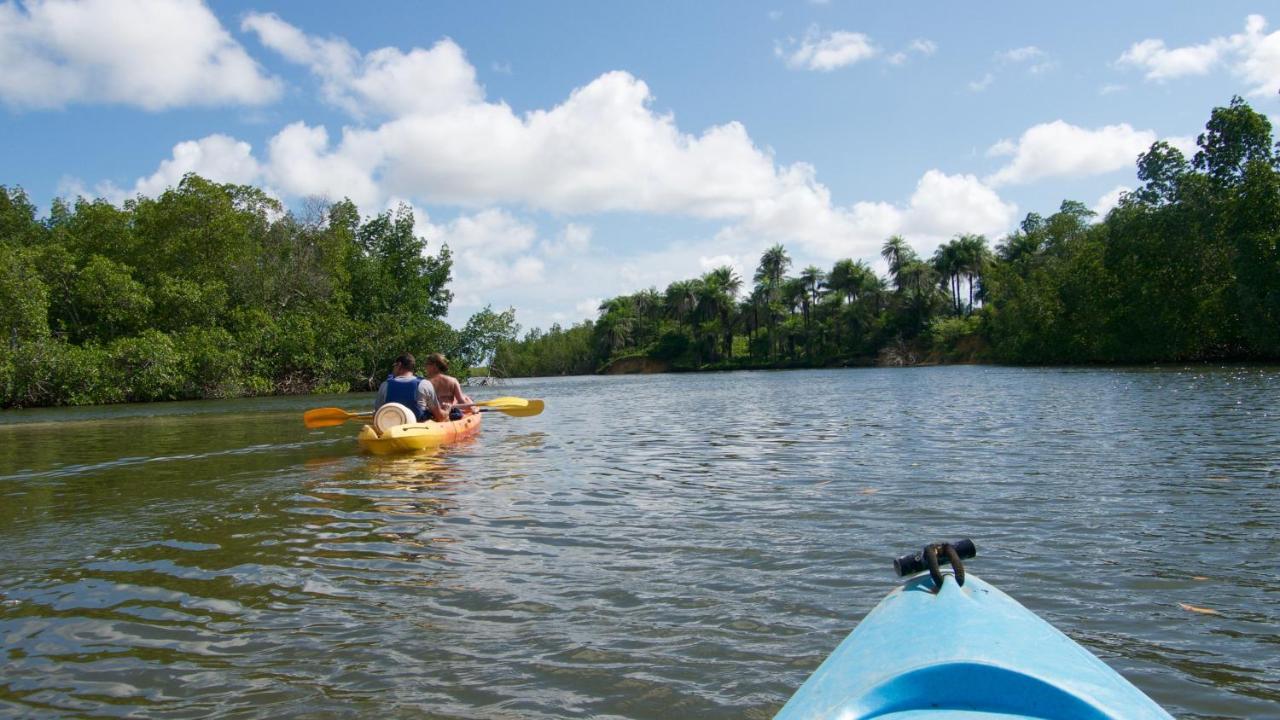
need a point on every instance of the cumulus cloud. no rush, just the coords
(828, 52)
(494, 231)
(301, 163)
(982, 83)
(215, 157)
(920, 46)
(1258, 57)
(491, 249)
(1059, 149)
(1110, 200)
(1252, 55)
(1037, 61)
(1162, 63)
(589, 306)
(941, 205)
(574, 239)
(602, 151)
(1185, 143)
(386, 81)
(1021, 55)
(152, 54)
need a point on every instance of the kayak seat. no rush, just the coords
(959, 687)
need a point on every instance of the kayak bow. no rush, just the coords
(964, 651)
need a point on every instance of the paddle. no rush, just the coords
(534, 407)
(330, 416)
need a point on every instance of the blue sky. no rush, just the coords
(572, 151)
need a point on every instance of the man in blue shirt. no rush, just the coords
(414, 392)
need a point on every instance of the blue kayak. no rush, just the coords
(965, 651)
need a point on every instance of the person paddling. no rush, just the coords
(448, 389)
(416, 393)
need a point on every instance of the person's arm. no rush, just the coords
(382, 396)
(463, 399)
(428, 403)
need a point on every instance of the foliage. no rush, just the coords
(214, 290)
(1186, 268)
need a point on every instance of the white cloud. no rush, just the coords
(715, 261)
(492, 231)
(1185, 143)
(1036, 60)
(1002, 147)
(1252, 55)
(983, 83)
(589, 307)
(827, 52)
(386, 80)
(1020, 55)
(574, 239)
(944, 205)
(1110, 200)
(923, 46)
(1111, 89)
(1259, 57)
(919, 46)
(301, 163)
(1059, 149)
(491, 249)
(215, 157)
(602, 150)
(153, 54)
(1162, 63)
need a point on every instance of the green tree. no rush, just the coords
(484, 332)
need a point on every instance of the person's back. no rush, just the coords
(447, 388)
(406, 388)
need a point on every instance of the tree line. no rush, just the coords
(1185, 268)
(213, 290)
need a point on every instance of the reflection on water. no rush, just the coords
(648, 547)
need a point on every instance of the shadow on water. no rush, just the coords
(647, 548)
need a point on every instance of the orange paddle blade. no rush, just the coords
(330, 416)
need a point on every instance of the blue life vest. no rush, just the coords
(406, 393)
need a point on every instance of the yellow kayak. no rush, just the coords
(417, 436)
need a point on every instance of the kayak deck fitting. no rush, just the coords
(949, 645)
(417, 436)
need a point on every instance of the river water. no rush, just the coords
(649, 547)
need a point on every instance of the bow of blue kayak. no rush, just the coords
(966, 651)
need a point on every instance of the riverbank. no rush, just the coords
(968, 350)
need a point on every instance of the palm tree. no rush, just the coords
(758, 299)
(616, 324)
(948, 260)
(843, 279)
(722, 285)
(773, 267)
(975, 258)
(813, 278)
(681, 300)
(648, 305)
(898, 254)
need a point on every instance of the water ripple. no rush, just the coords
(649, 547)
